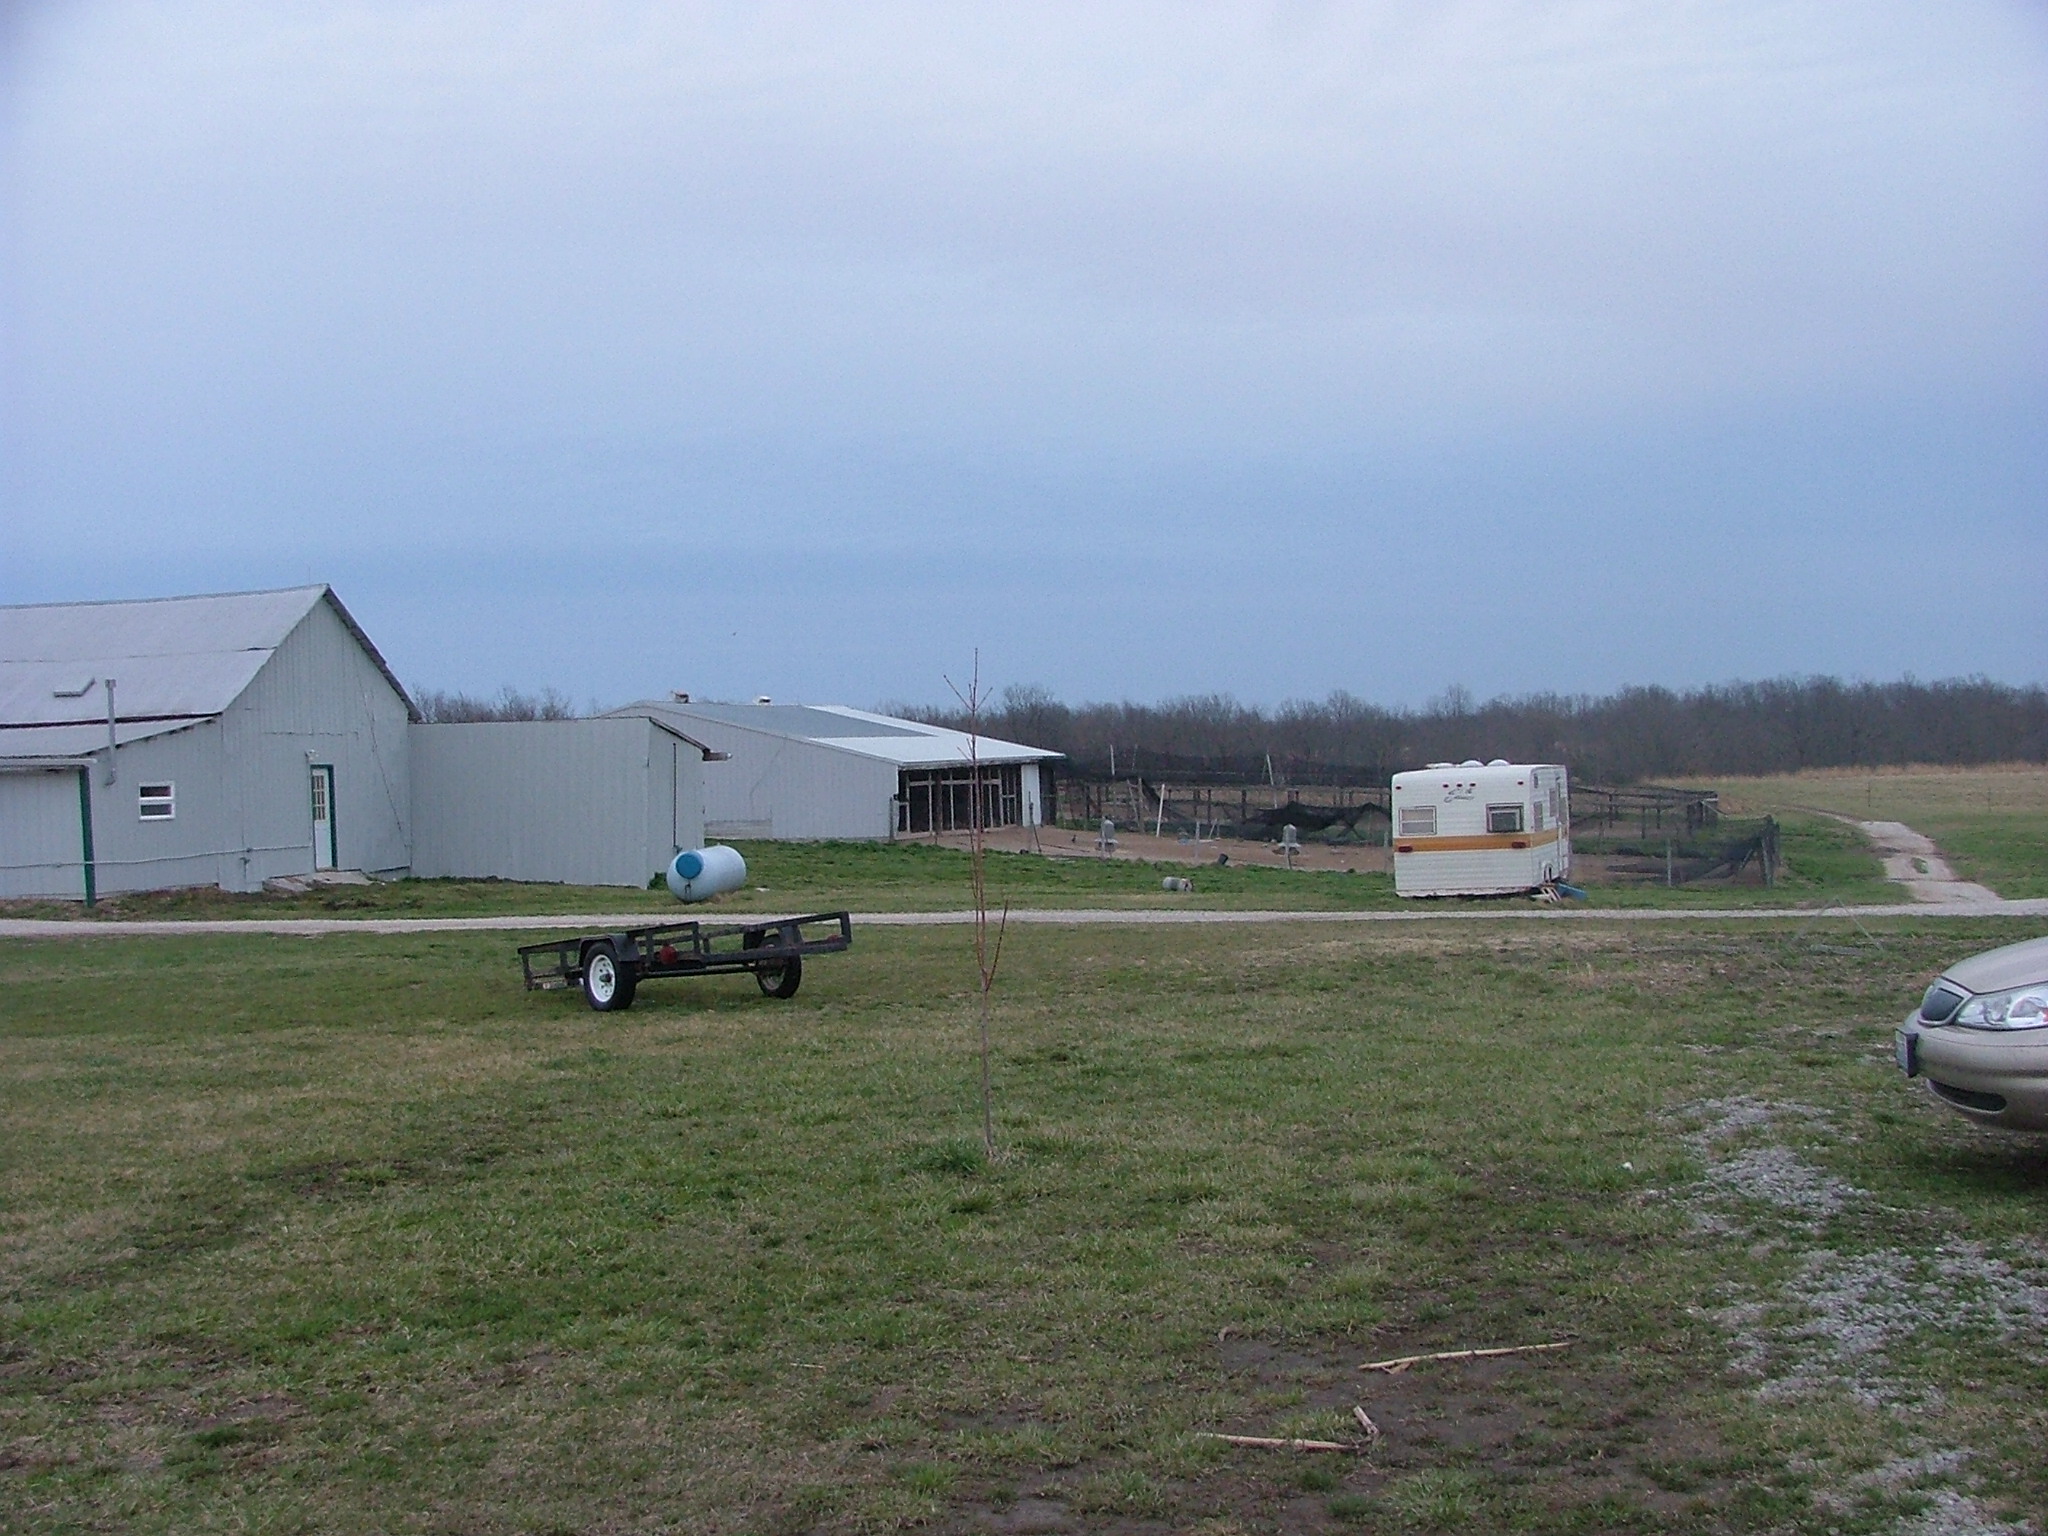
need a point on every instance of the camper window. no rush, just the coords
(1418, 821)
(1503, 818)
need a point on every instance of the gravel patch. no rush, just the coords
(1777, 1176)
(1858, 1307)
(1957, 1514)
(1836, 1322)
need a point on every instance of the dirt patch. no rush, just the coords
(1142, 847)
(1563, 1435)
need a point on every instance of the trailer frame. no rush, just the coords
(609, 967)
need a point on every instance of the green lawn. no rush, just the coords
(1991, 822)
(2005, 851)
(1824, 862)
(349, 1234)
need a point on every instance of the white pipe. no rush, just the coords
(109, 777)
(164, 858)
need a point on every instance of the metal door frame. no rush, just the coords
(333, 839)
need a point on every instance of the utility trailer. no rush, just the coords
(609, 967)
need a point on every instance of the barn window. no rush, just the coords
(1503, 818)
(156, 802)
(1418, 821)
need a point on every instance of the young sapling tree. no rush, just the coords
(988, 953)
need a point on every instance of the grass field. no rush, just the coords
(1991, 822)
(1825, 861)
(348, 1234)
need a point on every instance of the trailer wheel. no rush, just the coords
(780, 978)
(775, 978)
(608, 982)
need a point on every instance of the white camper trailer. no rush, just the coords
(1481, 829)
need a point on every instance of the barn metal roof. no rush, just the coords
(174, 659)
(804, 722)
(906, 743)
(79, 740)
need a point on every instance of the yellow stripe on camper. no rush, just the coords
(1483, 842)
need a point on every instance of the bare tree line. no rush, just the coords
(440, 707)
(1776, 726)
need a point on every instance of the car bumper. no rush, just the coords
(1997, 1079)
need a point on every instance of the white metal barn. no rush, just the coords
(196, 741)
(1481, 829)
(798, 771)
(234, 739)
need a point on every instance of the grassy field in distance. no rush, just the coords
(348, 1234)
(1991, 822)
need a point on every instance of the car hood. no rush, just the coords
(2013, 966)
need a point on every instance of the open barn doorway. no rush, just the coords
(943, 799)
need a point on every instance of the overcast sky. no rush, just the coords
(1151, 350)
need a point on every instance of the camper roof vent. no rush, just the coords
(1471, 762)
(1439, 765)
(1498, 762)
(762, 698)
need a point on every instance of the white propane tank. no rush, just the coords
(698, 874)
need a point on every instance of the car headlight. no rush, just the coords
(2019, 1008)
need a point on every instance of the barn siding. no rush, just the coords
(42, 843)
(779, 788)
(201, 845)
(583, 802)
(321, 699)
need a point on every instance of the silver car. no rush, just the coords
(1980, 1038)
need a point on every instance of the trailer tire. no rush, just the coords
(608, 981)
(780, 978)
(775, 978)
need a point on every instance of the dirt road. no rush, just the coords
(90, 928)
(1912, 860)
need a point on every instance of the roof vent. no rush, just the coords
(1471, 762)
(762, 698)
(1498, 762)
(679, 696)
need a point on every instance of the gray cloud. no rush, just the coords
(324, 284)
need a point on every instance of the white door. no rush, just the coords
(323, 817)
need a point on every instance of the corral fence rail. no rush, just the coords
(1338, 802)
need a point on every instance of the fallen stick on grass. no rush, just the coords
(1401, 1363)
(1270, 1443)
(1372, 1430)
